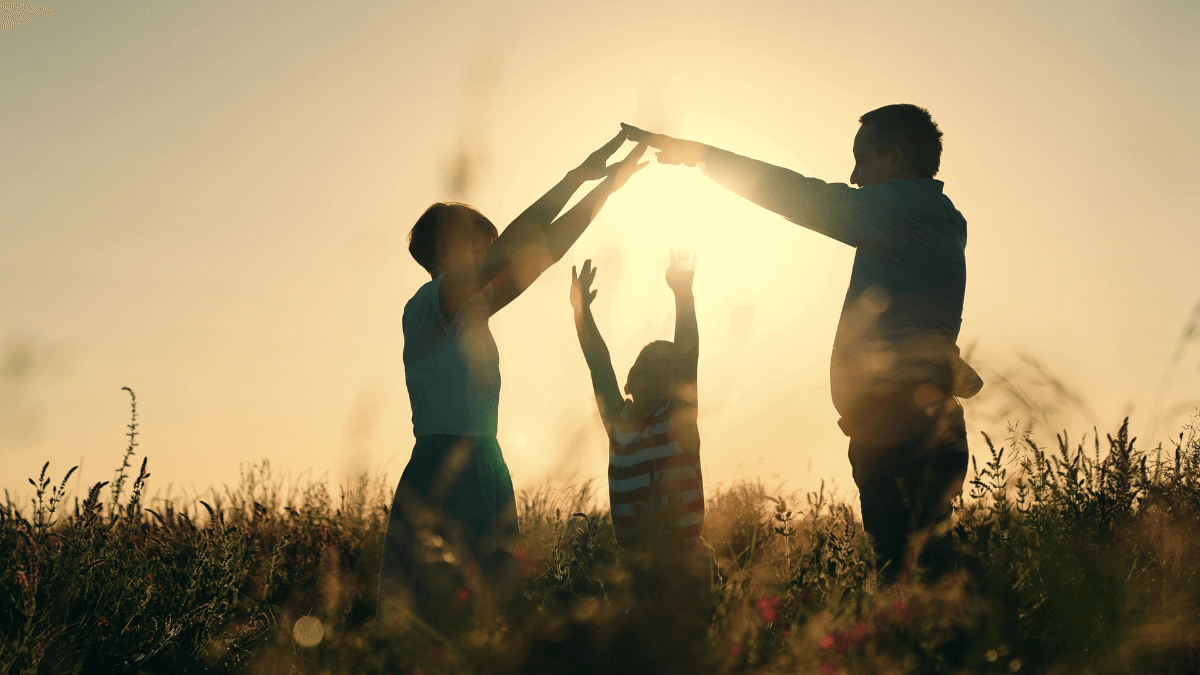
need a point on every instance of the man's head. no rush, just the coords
(449, 235)
(896, 141)
(652, 377)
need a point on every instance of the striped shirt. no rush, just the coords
(654, 481)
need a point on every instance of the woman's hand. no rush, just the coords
(582, 294)
(596, 166)
(681, 271)
(621, 171)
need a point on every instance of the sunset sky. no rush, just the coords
(207, 202)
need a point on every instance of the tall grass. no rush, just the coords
(1078, 559)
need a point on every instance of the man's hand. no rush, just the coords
(582, 294)
(681, 271)
(670, 150)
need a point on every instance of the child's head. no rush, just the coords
(652, 377)
(448, 235)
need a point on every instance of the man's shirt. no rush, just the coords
(909, 241)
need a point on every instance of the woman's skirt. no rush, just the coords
(453, 516)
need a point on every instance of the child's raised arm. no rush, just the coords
(604, 380)
(687, 334)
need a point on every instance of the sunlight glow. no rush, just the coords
(746, 255)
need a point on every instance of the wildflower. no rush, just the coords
(827, 668)
(530, 564)
(768, 608)
(735, 650)
(858, 634)
(902, 611)
(828, 642)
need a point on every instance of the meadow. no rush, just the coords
(1079, 558)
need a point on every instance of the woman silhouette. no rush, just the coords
(455, 498)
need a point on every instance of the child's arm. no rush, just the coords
(604, 380)
(687, 334)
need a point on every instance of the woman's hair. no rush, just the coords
(423, 237)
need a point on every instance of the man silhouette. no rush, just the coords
(895, 373)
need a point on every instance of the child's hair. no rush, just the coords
(659, 349)
(423, 237)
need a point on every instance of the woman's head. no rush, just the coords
(449, 234)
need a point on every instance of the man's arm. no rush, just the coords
(595, 352)
(832, 209)
(687, 334)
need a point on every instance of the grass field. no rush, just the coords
(1084, 558)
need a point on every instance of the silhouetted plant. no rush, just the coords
(1081, 559)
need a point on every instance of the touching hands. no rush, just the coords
(582, 294)
(681, 271)
(596, 165)
(670, 150)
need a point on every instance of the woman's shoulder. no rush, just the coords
(423, 304)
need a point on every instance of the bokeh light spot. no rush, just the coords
(308, 631)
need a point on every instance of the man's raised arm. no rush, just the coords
(828, 208)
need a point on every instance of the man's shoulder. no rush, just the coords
(922, 204)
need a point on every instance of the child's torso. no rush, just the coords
(654, 478)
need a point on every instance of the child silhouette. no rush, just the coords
(655, 487)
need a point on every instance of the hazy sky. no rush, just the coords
(207, 202)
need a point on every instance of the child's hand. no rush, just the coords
(681, 271)
(582, 294)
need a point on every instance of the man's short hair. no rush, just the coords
(423, 237)
(913, 129)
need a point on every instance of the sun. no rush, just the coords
(743, 250)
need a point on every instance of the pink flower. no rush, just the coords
(858, 634)
(530, 564)
(827, 642)
(827, 668)
(768, 608)
(735, 650)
